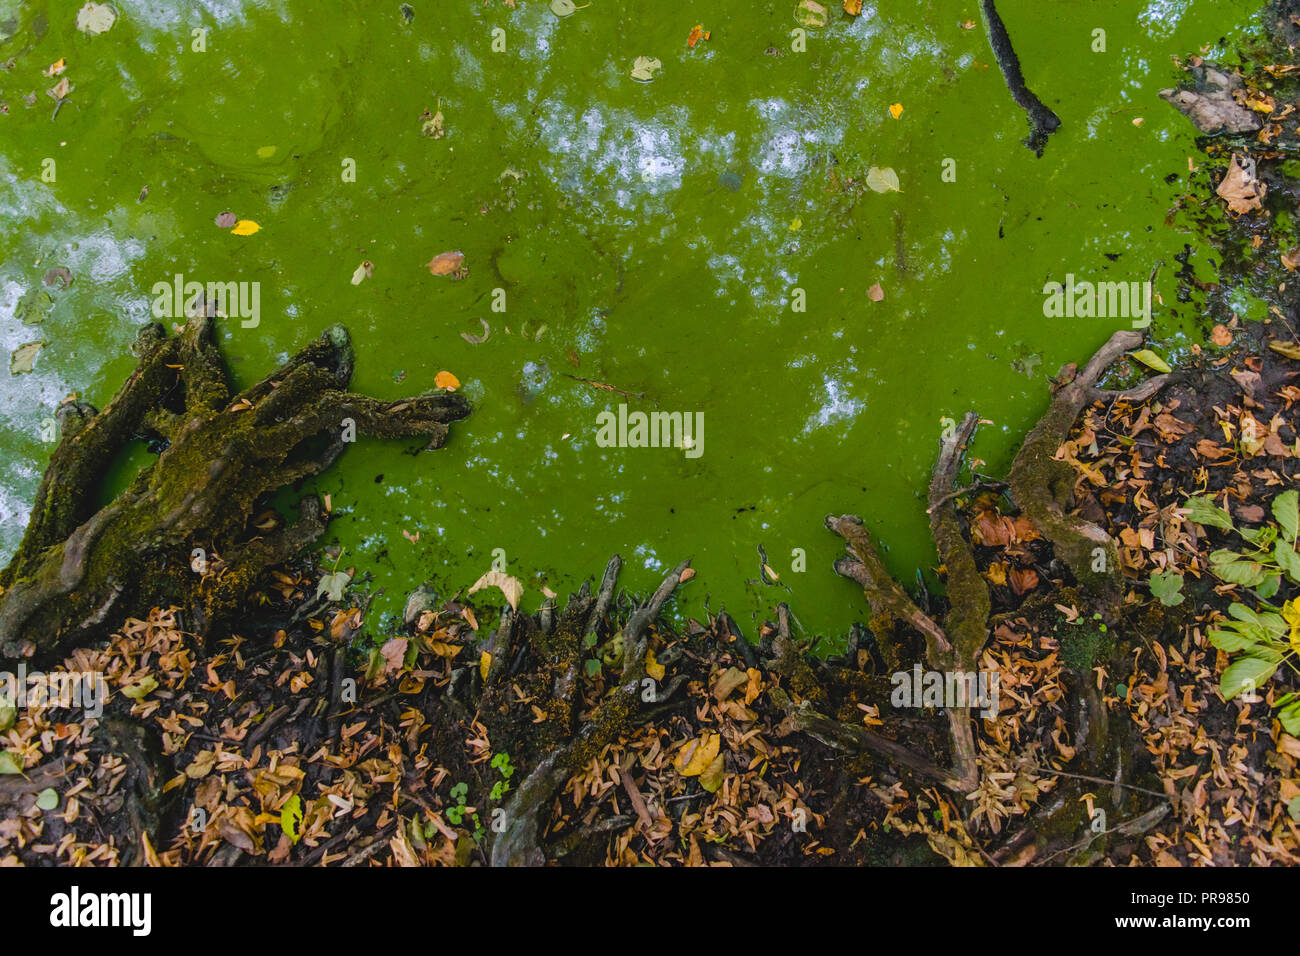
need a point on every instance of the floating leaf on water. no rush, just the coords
(644, 68)
(245, 227)
(478, 339)
(810, 13)
(566, 8)
(60, 89)
(23, 358)
(266, 152)
(896, 110)
(95, 18)
(1151, 360)
(47, 799)
(853, 7)
(446, 263)
(876, 293)
(227, 220)
(363, 272)
(34, 307)
(446, 380)
(55, 68)
(512, 588)
(58, 274)
(432, 125)
(883, 179)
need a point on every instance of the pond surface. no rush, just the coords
(658, 237)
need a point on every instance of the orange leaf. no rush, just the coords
(446, 380)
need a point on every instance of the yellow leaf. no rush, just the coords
(711, 778)
(446, 380)
(896, 110)
(698, 755)
(137, 691)
(653, 667)
(484, 664)
(245, 227)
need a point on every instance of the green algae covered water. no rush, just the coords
(703, 236)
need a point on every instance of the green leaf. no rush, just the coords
(883, 179)
(1204, 511)
(1232, 640)
(8, 714)
(291, 817)
(1232, 568)
(1284, 554)
(47, 799)
(592, 666)
(1151, 360)
(1286, 510)
(1269, 586)
(1167, 588)
(1249, 672)
(9, 763)
(1290, 718)
(1293, 808)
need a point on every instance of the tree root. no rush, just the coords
(1042, 121)
(77, 567)
(1042, 486)
(517, 843)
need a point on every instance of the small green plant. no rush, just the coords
(1262, 641)
(1271, 554)
(1167, 588)
(501, 763)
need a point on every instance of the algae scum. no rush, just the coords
(703, 237)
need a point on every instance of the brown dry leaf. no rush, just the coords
(60, 89)
(1291, 258)
(227, 220)
(853, 7)
(446, 263)
(876, 293)
(1221, 337)
(728, 681)
(55, 68)
(512, 588)
(394, 654)
(1240, 189)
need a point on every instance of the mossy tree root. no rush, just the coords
(78, 565)
(517, 843)
(1042, 486)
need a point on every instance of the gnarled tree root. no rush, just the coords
(79, 566)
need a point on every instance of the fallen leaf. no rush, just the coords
(60, 89)
(23, 358)
(694, 758)
(47, 799)
(245, 227)
(478, 339)
(698, 33)
(512, 588)
(810, 13)
(484, 664)
(446, 263)
(711, 778)
(58, 274)
(896, 110)
(1289, 349)
(363, 272)
(876, 293)
(1151, 360)
(1220, 336)
(227, 220)
(1239, 188)
(394, 654)
(644, 68)
(95, 18)
(883, 179)
(332, 585)
(446, 380)
(141, 688)
(853, 7)
(653, 668)
(55, 68)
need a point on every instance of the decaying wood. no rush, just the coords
(79, 566)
